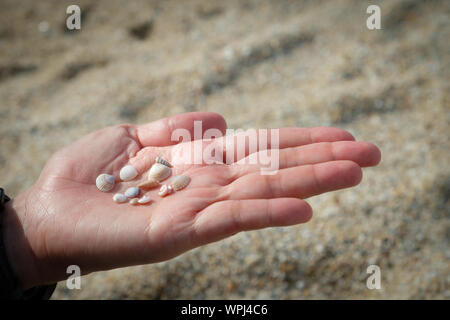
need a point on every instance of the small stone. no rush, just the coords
(119, 198)
(134, 201)
(132, 192)
(145, 199)
(128, 173)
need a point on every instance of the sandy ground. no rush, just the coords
(259, 64)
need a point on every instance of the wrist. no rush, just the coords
(17, 243)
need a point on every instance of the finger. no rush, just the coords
(225, 218)
(365, 154)
(302, 182)
(238, 146)
(160, 132)
(293, 137)
(232, 148)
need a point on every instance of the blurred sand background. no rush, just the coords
(260, 64)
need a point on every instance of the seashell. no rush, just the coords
(119, 198)
(132, 192)
(148, 184)
(128, 173)
(180, 182)
(134, 201)
(105, 182)
(162, 161)
(159, 172)
(145, 199)
(165, 190)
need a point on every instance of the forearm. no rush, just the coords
(17, 244)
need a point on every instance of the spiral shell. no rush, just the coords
(128, 173)
(159, 172)
(162, 161)
(119, 198)
(165, 190)
(105, 182)
(148, 184)
(180, 182)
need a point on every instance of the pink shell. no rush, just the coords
(165, 190)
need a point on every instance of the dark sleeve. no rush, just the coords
(9, 284)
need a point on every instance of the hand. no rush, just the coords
(63, 219)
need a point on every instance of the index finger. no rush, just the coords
(159, 133)
(240, 145)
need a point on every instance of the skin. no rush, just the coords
(63, 219)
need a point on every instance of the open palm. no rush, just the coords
(68, 221)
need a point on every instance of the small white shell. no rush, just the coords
(180, 182)
(132, 192)
(119, 198)
(134, 201)
(128, 173)
(145, 199)
(162, 161)
(105, 182)
(159, 172)
(165, 190)
(148, 184)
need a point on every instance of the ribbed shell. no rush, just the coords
(159, 172)
(105, 182)
(180, 182)
(164, 162)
